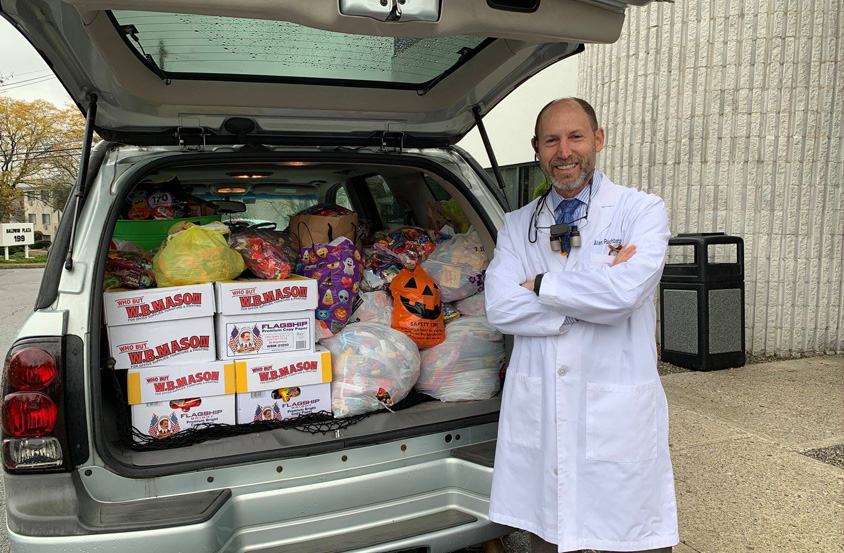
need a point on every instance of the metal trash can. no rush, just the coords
(701, 300)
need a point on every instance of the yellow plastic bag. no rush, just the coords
(192, 255)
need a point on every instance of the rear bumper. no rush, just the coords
(420, 492)
(369, 517)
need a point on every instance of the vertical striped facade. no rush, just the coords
(733, 112)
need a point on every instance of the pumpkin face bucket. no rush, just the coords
(417, 311)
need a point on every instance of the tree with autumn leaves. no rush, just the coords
(40, 146)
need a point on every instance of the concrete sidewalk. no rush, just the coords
(736, 437)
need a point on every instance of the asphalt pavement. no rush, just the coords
(18, 289)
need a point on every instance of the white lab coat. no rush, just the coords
(582, 457)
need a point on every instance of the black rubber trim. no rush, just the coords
(386, 533)
(49, 290)
(101, 443)
(480, 454)
(74, 396)
(168, 137)
(528, 6)
(427, 85)
(150, 514)
(60, 505)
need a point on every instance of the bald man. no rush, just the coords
(582, 457)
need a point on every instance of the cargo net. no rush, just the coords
(321, 422)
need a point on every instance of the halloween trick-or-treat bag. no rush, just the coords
(336, 267)
(417, 311)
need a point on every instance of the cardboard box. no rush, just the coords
(265, 334)
(280, 371)
(242, 297)
(178, 381)
(283, 403)
(161, 419)
(166, 343)
(124, 307)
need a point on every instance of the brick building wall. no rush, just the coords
(732, 112)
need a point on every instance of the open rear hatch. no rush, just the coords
(289, 71)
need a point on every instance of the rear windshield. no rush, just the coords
(211, 47)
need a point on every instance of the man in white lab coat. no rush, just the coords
(582, 458)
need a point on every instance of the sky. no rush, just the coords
(509, 125)
(25, 75)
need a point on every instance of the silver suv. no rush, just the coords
(278, 105)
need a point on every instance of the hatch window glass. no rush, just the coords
(201, 46)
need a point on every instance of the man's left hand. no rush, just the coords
(528, 284)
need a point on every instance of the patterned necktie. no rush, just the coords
(564, 214)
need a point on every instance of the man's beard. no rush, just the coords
(572, 186)
(587, 167)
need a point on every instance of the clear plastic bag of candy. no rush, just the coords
(408, 246)
(373, 307)
(128, 269)
(473, 306)
(466, 365)
(117, 244)
(260, 252)
(374, 367)
(458, 266)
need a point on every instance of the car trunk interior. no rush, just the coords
(388, 192)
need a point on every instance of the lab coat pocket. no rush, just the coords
(521, 409)
(599, 261)
(621, 422)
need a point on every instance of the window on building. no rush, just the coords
(31, 218)
(45, 219)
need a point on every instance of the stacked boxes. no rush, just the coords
(266, 364)
(170, 398)
(160, 326)
(268, 327)
(165, 338)
(265, 317)
(283, 386)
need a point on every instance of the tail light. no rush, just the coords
(28, 415)
(31, 369)
(32, 411)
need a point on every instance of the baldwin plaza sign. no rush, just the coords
(16, 234)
